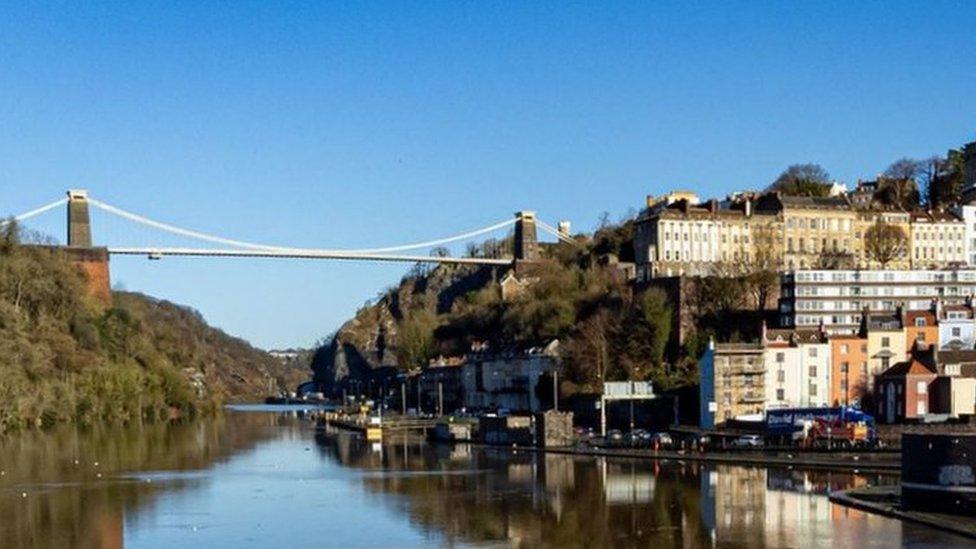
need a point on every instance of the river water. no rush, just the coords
(265, 478)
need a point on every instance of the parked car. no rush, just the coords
(699, 442)
(638, 438)
(748, 441)
(615, 435)
(662, 440)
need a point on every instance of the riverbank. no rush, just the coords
(886, 501)
(854, 462)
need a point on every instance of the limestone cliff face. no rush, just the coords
(367, 342)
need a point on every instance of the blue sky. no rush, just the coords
(367, 124)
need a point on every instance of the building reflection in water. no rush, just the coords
(483, 494)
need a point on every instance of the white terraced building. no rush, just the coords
(837, 299)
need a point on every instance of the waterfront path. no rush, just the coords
(886, 501)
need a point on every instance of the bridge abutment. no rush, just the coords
(92, 261)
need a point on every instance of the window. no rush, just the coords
(920, 322)
(780, 357)
(956, 332)
(885, 362)
(922, 388)
(780, 394)
(864, 369)
(813, 371)
(886, 342)
(844, 367)
(813, 389)
(843, 349)
(812, 352)
(780, 376)
(920, 337)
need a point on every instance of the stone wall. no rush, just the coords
(94, 262)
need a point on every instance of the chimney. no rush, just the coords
(762, 333)
(748, 206)
(649, 200)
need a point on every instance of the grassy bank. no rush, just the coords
(65, 356)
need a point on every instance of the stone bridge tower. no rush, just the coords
(93, 262)
(79, 222)
(526, 240)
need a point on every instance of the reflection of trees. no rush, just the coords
(69, 505)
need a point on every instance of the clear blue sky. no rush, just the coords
(356, 125)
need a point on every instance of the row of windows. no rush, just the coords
(816, 224)
(900, 291)
(938, 235)
(928, 252)
(885, 276)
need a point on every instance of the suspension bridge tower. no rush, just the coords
(526, 239)
(91, 260)
(79, 222)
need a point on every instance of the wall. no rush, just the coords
(94, 262)
(817, 357)
(791, 382)
(853, 351)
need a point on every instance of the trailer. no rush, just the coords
(828, 427)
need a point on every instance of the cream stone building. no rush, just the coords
(810, 228)
(937, 240)
(684, 237)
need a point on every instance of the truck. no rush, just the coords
(827, 427)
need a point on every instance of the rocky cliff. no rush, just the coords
(368, 342)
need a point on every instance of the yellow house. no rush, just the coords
(812, 229)
(886, 342)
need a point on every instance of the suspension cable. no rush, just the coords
(555, 232)
(254, 246)
(35, 212)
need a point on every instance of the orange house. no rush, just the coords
(921, 328)
(849, 368)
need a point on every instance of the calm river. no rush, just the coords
(263, 478)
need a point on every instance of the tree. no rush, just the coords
(941, 179)
(656, 314)
(803, 180)
(834, 259)
(885, 243)
(762, 264)
(898, 192)
(415, 339)
(903, 168)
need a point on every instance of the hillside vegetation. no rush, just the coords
(575, 294)
(67, 357)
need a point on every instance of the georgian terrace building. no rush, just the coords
(677, 235)
(937, 240)
(837, 300)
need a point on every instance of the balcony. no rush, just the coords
(752, 397)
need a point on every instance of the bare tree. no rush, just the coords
(835, 259)
(761, 264)
(885, 243)
(904, 168)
